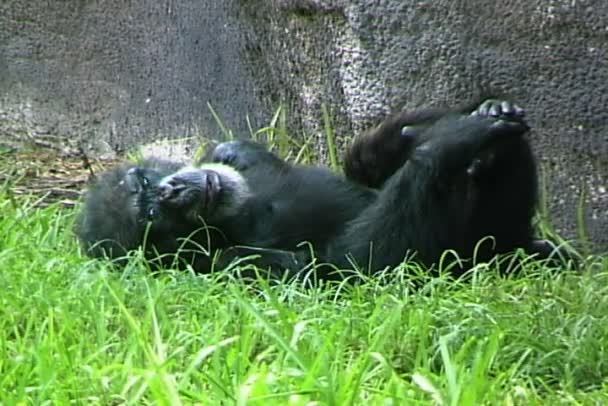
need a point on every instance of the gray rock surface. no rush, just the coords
(116, 74)
(368, 58)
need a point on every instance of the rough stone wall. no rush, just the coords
(116, 74)
(112, 74)
(370, 57)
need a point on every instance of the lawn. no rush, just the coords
(73, 330)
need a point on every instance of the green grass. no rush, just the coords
(72, 330)
(76, 331)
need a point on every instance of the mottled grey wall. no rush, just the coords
(368, 58)
(117, 74)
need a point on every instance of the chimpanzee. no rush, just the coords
(421, 183)
(248, 205)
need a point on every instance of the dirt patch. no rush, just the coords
(47, 175)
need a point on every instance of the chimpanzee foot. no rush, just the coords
(496, 108)
(501, 130)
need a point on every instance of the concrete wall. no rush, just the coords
(110, 74)
(116, 74)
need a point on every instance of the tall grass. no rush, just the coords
(74, 330)
(78, 331)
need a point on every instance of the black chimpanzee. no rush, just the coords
(420, 183)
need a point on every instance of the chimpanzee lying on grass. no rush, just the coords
(420, 183)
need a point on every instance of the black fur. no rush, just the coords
(119, 207)
(419, 184)
(380, 152)
(443, 198)
(170, 209)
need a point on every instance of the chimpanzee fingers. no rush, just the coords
(225, 153)
(242, 155)
(135, 180)
(196, 187)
